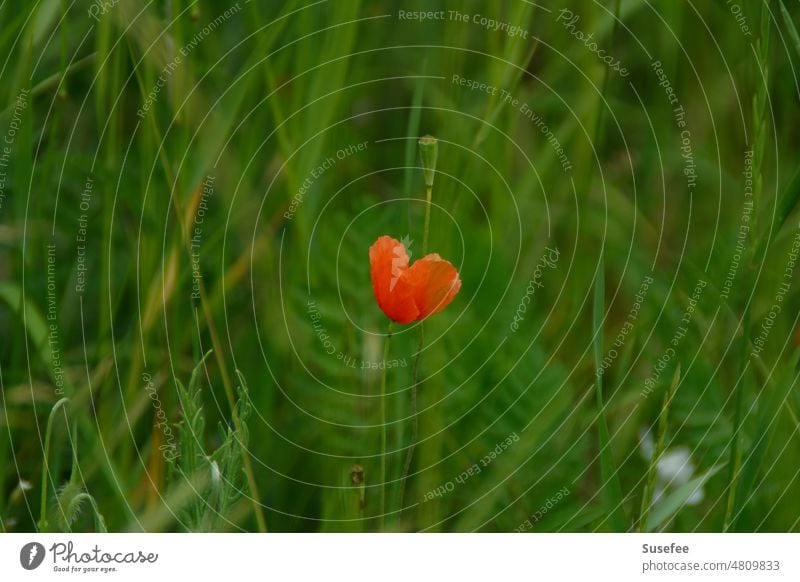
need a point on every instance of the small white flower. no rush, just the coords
(674, 469)
(675, 466)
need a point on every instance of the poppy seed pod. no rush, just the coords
(428, 152)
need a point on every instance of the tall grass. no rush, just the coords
(315, 440)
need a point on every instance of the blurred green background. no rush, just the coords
(183, 177)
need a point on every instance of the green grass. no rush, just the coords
(207, 344)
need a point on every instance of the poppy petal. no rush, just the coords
(434, 281)
(388, 261)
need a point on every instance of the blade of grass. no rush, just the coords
(412, 129)
(221, 127)
(610, 488)
(649, 490)
(759, 126)
(773, 398)
(43, 524)
(790, 27)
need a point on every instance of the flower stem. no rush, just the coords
(429, 152)
(414, 420)
(383, 424)
(429, 190)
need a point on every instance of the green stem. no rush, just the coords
(735, 457)
(43, 525)
(414, 420)
(759, 125)
(383, 424)
(63, 55)
(428, 191)
(650, 484)
(99, 521)
(415, 376)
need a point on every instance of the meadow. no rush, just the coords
(190, 337)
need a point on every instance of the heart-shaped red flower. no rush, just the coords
(407, 294)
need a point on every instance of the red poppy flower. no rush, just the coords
(407, 294)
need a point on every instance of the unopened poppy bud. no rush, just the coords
(428, 151)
